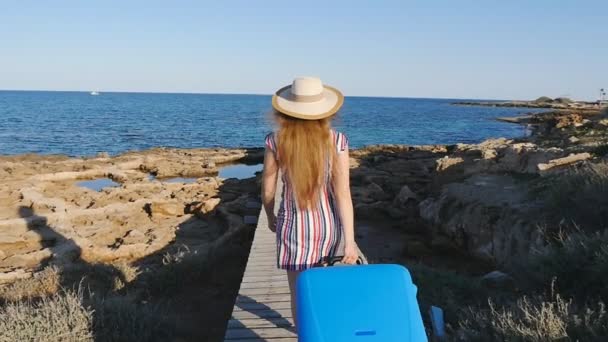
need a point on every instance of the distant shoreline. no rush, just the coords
(551, 104)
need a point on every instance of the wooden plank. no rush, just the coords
(259, 332)
(281, 339)
(262, 285)
(285, 313)
(264, 265)
(264, 277)
(265, 257)
(271, 271)
(255, 263)
(278, 290)
(265, 246)
(255, 323)
(261, 274)
(270, 280)
(262, 306)
(264, 269)
(264, 298)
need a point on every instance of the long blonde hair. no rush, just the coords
(306, 150)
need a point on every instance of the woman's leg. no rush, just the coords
(292, 277)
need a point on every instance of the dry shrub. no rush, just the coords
(447, 289)
(121, 318)
(576, 264)
(580, 196)
(52, 306)
(42, 284)
(575, 269)
(554, 319)
(60, 317)
(180, 269)
(128, 272)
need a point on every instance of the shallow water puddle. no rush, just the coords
(98, 184)
(179, 180)
(239, 171)
(186, 180)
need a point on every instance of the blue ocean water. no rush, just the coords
(79, 124)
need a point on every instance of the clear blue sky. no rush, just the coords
(459, 49)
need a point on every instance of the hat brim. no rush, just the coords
(329, 104)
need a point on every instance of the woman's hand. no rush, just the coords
(272, 223)
(351, 253)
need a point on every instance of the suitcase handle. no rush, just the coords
(338, 258)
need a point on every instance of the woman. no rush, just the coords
(316, 209)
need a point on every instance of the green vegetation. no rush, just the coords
(543, 99)
(563, 100)
(450, 290)
(581, 197)
(600, 151)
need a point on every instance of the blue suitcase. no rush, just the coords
(358, 303)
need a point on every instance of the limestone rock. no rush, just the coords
(210, 205)
(447, 162)
(574, 139)
(369, 193)
(488, 154)
(166, 208)
(524, 157)
(429, 210)
(209, 165)
(574, 119)
(11, 276)
(570, 159)
(376, 192)
(46, 217)
(488, 216)
(134, 236)
(26, 261)
(371, 210)
(404, 195)
(498, 279)
(200, 209)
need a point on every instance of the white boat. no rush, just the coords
(94, 93)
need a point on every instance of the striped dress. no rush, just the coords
(307, 237)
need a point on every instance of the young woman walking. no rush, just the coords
(316, 209)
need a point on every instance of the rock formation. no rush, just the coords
(47, 218)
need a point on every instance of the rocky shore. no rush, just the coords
(541, 102)
(47, 218)
(468, 208)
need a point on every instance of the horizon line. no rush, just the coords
(250, 94)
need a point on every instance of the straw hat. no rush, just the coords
(307, 98)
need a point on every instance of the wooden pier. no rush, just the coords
(262, 311)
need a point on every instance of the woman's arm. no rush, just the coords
(341, 185)
(269, 186)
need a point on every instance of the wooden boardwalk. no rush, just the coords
(262, 308)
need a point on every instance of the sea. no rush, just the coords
(81, 124)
